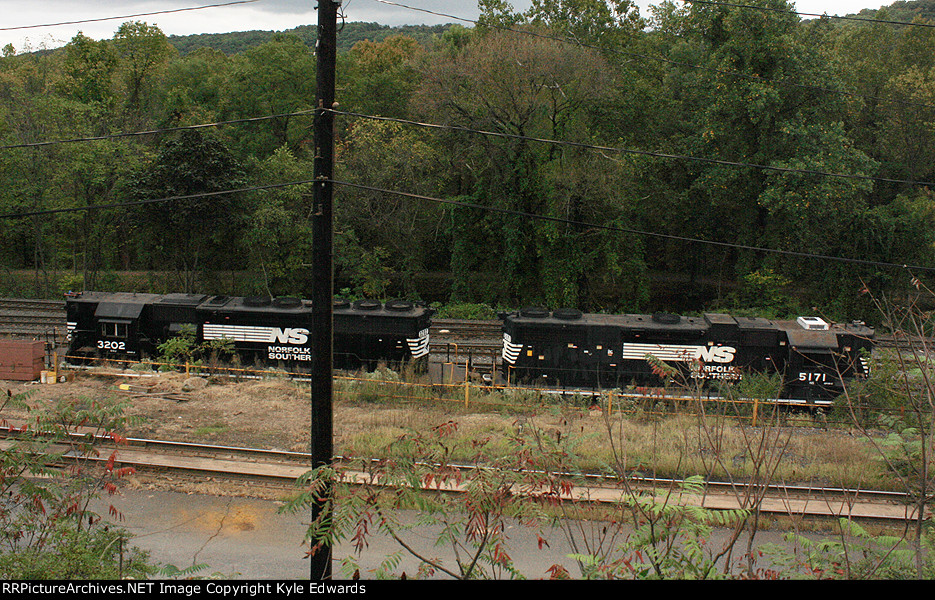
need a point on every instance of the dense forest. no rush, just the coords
(705, 156)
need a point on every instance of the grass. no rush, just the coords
(637, 439)
(211, 430)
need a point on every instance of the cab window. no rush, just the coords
(114, 330)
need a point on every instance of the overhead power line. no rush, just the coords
(461, 204)
(113, 136)
(648, 153)
(614, 228)
(132, 203)
(804, 14)
(146, 14)
(580, 145)
(825, 15)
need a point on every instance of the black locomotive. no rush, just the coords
(567, 348)
(264, 331)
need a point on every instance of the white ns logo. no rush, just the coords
(718, 354)
(289, 336)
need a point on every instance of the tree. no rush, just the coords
(275, 79)
(605, 23)
(378, 78)
(194, 87)
(551, 90)
(382, 232)
(188, 233)
(278, 234)
(89, 68)
(144, 52)
(755, 100)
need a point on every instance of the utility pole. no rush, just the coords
(323, 270)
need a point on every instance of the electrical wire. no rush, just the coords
(582, 145)
(461, 204)
(57, 211)
(824, 16)
(468, 205)
(146, 14)
(579, 145)
(665, 236)
(668, 61)
(112, 136)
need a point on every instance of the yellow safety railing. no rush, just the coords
(618, 402)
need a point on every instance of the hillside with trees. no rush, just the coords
(351, 33)
(700, 157)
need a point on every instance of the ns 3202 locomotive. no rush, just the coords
(265, 331)
(567, 348)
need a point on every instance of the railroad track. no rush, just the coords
(40, 319)
(266, 465)
(285, 467)
(282, 468)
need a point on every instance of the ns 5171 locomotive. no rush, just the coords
(568, 348)
(263, 331)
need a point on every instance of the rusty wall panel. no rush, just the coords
(21, 360)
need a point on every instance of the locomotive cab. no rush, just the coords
(103, 325)
(822, 358)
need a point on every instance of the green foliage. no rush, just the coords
(730, 84)
(351, 34)
(764, 293)
(671, 541)
(70, 553)
(182, 350)
(277, 241)
(906, 451)
(190, 163)
(856, 555)
(145, 53)
(383, 76)
(173, 572)
(529, 483)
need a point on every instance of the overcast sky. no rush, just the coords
(274, 15)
